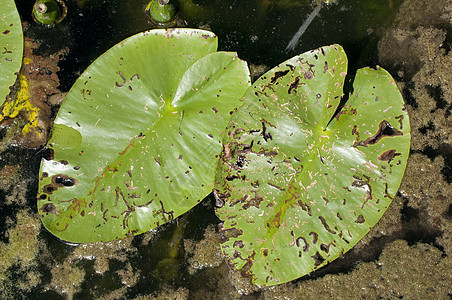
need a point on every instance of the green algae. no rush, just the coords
(21, 249)
(205, 253)
(167, 293)
(102, 253)
(402, 271)
(129, 276)
(66, 279)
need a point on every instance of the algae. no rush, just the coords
(402, 271)
(26, 115)
(205, 253)
(66, 279)
(22, 246)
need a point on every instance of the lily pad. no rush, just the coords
(299, 183)
(11, 45)
(137, 139)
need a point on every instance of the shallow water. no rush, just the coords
(182, 258)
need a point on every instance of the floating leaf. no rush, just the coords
(300, 187)
(11, 46)
(137, 139)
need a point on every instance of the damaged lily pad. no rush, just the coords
(137, 139)
(11, 46)
(298, 183)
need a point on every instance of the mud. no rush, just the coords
(27, 123)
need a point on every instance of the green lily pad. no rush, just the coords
(298, 187)
(11, 47)
(137, 139)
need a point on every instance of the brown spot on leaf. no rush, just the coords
(48, 208)
(127, 148)
(291, 67)
(305, 243)
(325, 224)
(276, 186)
(355, 132)
(62, 180)
(265, 134)
(239, 244)
(360, 183)
(387, 192)
(318, 259)
(294, 85)
(135, 75)
(48, 189)
(384, 130)
(245, 271)
(123, 79)
(275, 221)
(389, 155)
(315, 237)
(278, 75)
(400, 120)
(360, 219)
(255, 184)
(270, 153)
(325, 248)
(305, 207)
(167, 216)
(346, 110)
(254, 201)
(65, 217)
(158, 161)
(231, 177)
(220, 198)
(226, 234)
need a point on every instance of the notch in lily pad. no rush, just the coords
(136, 141)
(300, 180)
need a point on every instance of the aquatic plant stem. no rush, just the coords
(294, 41)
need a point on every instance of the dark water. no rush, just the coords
(247, 27)
(258, 33)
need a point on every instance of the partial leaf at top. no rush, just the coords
(298, 186)
(11, 45)
(136, 141)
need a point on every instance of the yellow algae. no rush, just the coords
(22, 103)
(27, 61)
